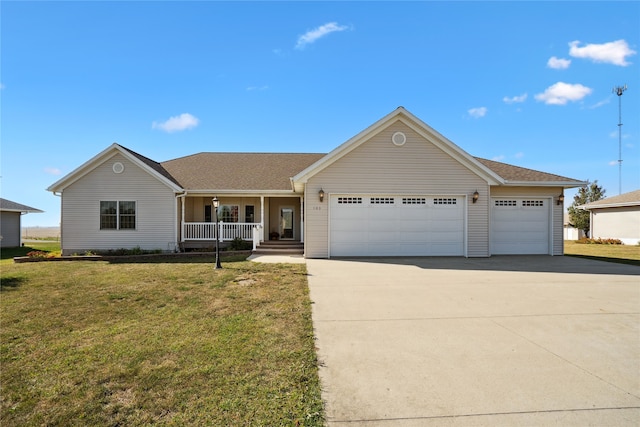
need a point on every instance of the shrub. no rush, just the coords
(600, 241)
(238, 244)
(38, 254)
(133, 251)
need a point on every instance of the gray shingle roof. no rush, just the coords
(627, 199)
(152, 164)
(517, 173)
(272, 171)
(8, 205)
(238, 171)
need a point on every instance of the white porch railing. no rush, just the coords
(227, 230)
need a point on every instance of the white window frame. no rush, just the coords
(237, 210)
(119, 215)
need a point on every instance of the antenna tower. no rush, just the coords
(619, 90)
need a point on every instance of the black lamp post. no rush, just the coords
(216, 203)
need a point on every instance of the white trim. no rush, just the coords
(102, 157)
(399, 139)
(402, 115)
(560, 184)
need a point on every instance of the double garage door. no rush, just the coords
(383, 225)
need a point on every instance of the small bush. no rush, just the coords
(600, 241)
(238, 244)
(132, 251)
(38, 254)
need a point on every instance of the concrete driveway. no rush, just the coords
(501, 341)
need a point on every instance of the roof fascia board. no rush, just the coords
(244, 193)
(610, 205)
(418, 126)
(345, 148)
(102, 157)
(22, 210)
(452, 149)
(563, 184)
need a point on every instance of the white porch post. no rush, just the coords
(182, 218)
(302, 218)
(262, 217)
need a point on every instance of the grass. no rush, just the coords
(50, 246)
(624, 254)
(94, 343)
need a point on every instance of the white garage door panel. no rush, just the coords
(520, 226)
(396, 226)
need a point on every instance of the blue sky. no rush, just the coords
(526, 83)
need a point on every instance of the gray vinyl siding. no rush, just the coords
(155, 209)
(616, 223)
(10, 229)
(552, 193)
(378, 166)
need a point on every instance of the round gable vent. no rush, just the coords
(398, 138)
(118, 167)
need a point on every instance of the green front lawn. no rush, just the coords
(170, 343)
(51, 247)
(625, 254)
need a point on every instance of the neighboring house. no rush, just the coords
(571, 232)
(398, 188)
(616, 217)
(10, 216)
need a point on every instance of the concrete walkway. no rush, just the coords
(502, 341)
(278, 259)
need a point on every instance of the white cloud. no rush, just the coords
(260, 88)
(312, 35)
(515, 99)
(558, 63)
(613, 163)
(612, 53)
(561, 93)
(498, 158)
(600, 104)
(2, 86)
(519, 155)
(177, 123)
(478, 112)
(53, 171)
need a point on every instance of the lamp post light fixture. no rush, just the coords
(560, 199)
(216, 203)
(476, 196)
(321, 195)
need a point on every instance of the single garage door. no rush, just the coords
(520, 226)
(365, 225)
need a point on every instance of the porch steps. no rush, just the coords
(280, 247)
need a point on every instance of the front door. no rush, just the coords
(286, 223)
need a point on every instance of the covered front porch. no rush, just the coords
(253, 218)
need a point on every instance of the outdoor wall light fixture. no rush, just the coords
(560, 199)
(216, 204)
(476, 195)
(321, 194)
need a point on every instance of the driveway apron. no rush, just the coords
(501, 341)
